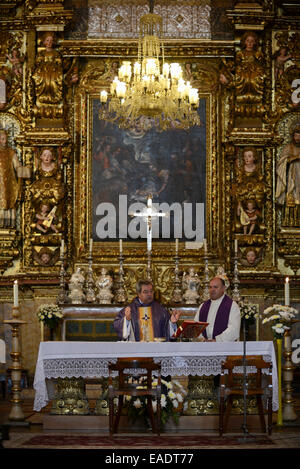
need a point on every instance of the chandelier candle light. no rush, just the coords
(150, 93)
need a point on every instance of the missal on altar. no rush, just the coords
(190, 329)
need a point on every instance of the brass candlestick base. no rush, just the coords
(16, 413)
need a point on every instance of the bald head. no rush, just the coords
(216, 288)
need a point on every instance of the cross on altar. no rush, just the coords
(148, 214)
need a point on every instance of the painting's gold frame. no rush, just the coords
(93, 80)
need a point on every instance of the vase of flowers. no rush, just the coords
(280, 318)
(249, 316)
(50, 315)
(171, 397)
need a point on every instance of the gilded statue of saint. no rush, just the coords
(249, 77)
(10, 170)
(48, 184)
(48, 79)
(288, 179)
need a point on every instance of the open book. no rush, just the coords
(190, 329)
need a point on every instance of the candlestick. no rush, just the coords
(16, 294)
(205, 246)
(121, 246)
(42, 331)
(235, 246)
(287, 292)
(62, 247)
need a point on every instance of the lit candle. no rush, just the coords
(121, 246)
(235, 246)
(176, 245)
(287, 292)
(16, 294)
(205, 246)
(91, 245)
(103, 96)
(62, 248)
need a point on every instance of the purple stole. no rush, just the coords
(222, 316)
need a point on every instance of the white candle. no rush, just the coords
(235, 246)
(16, 294)
(42, 331)
(287, 292)
(121, 246)
(176, 245)
(91, 245)
(62, 247)
(205, 246)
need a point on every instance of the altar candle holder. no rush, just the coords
(236, 293)
(16, 414)
(177, 291)
(205, 293)
(62, 295)
(121, 296)
(90, 283)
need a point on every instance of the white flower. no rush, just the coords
(163, 400)
(137, 404)
(179, 397)
(171, 395)
(175, 403)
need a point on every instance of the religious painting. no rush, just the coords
(129, 165)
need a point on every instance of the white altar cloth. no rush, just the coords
(91, 359)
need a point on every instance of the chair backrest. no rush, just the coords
(137, 368)
(134, 363)
(255, 362)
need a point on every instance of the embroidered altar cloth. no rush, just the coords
(91, 359)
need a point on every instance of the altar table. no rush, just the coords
(91, 359)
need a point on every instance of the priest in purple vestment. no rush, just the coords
(145, 319)
(222, 314)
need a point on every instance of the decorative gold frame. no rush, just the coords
(94, 78)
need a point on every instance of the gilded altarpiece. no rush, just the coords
(248, 124)
(94, 77)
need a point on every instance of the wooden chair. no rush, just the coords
(231, 385)
(137, 368)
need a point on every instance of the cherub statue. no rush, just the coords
(251, 257)
(190, 283)
(17, 60)
(104, 284)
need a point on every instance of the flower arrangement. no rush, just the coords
(50, 315)
(280, 318)
(249, 313)
(172, 395)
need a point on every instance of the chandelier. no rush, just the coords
(150, 93)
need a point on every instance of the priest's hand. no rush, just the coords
(128, 313)
(175, 315)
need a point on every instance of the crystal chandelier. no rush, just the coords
(147, 94)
